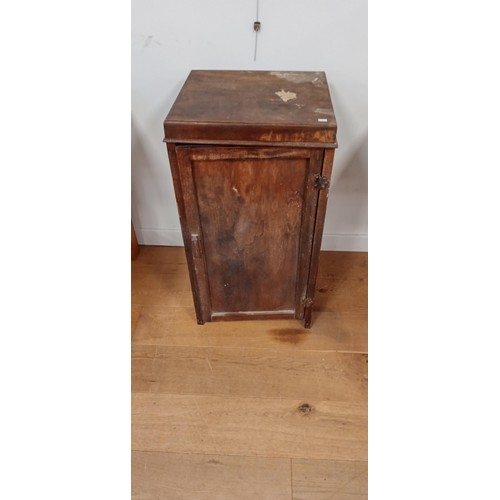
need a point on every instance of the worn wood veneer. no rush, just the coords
(251, 154)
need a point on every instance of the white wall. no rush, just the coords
(171, 37)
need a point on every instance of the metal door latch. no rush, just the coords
(321, 182)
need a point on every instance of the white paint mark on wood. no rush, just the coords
(324, 111)
(300, 77)
(285, 96)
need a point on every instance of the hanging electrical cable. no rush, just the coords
(256, 27)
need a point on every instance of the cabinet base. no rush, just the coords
(246, 315)
(258, 315)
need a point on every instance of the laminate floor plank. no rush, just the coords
(160, 286)
(177, 326)
(342, 283)
(136, 313)
(177, 476)
(329, 480)
(167, 261)
(272, 427)
(250, 372)
(163, 290)
(248, 409)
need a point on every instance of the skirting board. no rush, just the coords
(331, 241)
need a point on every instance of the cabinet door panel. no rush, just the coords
(251, 225)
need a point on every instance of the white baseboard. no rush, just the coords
(331, 241)
(160, 237)
(345, 242)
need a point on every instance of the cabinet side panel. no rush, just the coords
(307, 231)
(250, 211)
(318, 234)
(184, 193)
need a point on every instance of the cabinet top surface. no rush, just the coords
(269, 105)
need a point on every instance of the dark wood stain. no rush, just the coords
(305, 408)
(235, 106)
(201, 312)
(244, 162)
(289, 335)
(251, 230)
(318, 233)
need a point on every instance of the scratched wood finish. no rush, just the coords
(251, 230)
(245, 107)
(157, 475)
(329, 480)
(248, 217)
(252, 217)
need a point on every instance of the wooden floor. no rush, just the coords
(248, 409)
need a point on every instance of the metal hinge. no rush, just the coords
(307, 302)
(321, 182)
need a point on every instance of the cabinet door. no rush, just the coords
(248, 220)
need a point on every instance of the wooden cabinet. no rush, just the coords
(251, 155)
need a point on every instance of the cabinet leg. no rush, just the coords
(307, 317)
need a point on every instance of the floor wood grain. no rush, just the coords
(268, 427)
(136, 314)
(176, 326)
(342, 283)
(176, 476)
(249, 372)
(329, 480)
(248, 409)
